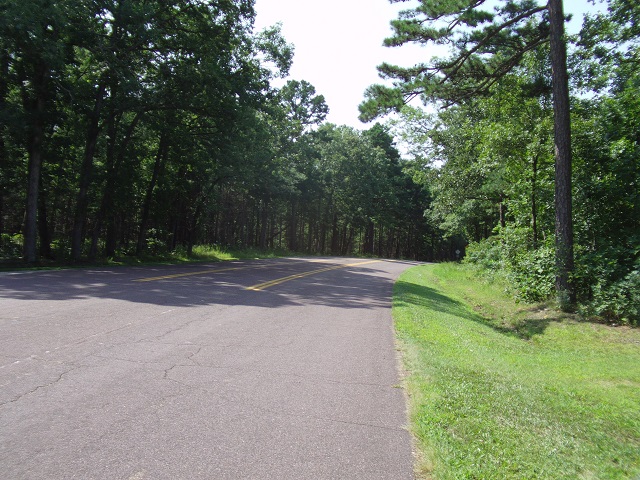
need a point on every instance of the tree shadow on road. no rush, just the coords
(221, 283)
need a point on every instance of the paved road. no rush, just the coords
(277, 369)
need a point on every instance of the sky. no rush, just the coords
(338, 44)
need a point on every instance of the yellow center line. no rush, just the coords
(277, 281)
(201, 272)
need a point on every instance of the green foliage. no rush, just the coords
(608, 286)
(157, 129)
(485, 46)
(303, 107)
(530, 273)
(492, 170)
(610, 279)
(488, 49)
(155, 244)
(619, 300)
(533, 271)
(10, 246)
(608, 42)
(487, 254)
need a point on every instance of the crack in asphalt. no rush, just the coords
(312, 378)
(127, 360)
(38, 387)
(189, 358)
(180, 327)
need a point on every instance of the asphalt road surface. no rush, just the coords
(265, 369)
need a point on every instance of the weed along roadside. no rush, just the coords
(504, 390)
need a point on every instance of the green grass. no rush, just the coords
(207, 253)
(500, 390)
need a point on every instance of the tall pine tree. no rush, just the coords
(485, 45)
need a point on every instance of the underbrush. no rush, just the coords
(607, 282)
(199, 253)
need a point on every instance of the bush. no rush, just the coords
(616, 300)
(10, 246)
(155, 244)
(487, 253)
(533, 272)
(607, 281)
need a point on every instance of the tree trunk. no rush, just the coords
(114, 164)
(323, 237)
(534, 201)
(193, 227)
(562, 132)
(264, 220)
(4, 90)
(501, 212)
(161, 157)
(108, 189)
(349, 241)
(292, 243)
(36, 139)
(85, 175)
(334, 235)
(33, 185)
(43, 226)
(311, 234)
(369, 237)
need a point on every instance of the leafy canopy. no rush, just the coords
(485, 43)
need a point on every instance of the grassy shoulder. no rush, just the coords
(502, 390)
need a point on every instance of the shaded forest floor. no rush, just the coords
(200, 253)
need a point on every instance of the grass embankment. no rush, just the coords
(505, 391)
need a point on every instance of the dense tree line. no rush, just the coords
(489, 154)
(132, 127)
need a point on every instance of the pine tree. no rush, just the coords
(485, 46)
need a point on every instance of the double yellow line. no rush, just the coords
(188, 274)
(259, 286)
(278, 281)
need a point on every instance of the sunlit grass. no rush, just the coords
(501, 390)
(201, 253)
(213, 253)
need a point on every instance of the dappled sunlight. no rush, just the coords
(217, 284)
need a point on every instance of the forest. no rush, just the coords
(137, 128)
(141, 127)
(531, 148)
